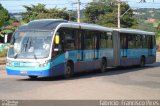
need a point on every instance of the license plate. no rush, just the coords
(23, 72)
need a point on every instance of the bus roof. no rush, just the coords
(134, 31)
(42, 24)
(50, 24)
(85, 26)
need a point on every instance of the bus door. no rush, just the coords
(123, 40)
(81, 47)
(150, 45)
(96, 45)
(79, 44)
(116, 48)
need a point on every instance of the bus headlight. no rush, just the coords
(9, 63)
(43, 64)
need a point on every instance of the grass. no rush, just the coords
(3, 54)
(158, 43)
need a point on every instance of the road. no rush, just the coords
(116, 83)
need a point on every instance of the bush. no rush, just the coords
(3, 53)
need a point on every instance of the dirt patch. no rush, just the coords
(2, 60)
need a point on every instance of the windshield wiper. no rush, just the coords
(31, 41)
(16, 55)
(35, 57)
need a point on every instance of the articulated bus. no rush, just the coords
(51, 47)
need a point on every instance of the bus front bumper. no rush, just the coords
(27, 72)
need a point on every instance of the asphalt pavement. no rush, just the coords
(116, 83)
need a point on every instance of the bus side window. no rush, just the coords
(96, 42)
(69, 40)
(131, 41)
(154, 41)
(89, 40)
(144, 40)
(109, 40)
(77, 35)
(138, 41)
(103, 40)
(150, 42)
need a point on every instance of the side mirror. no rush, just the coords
(57, 39)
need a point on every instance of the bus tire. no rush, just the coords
(142, 62)
(69, 70)
(32, 77)
(103, 65)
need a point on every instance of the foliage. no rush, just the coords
(147, 18)
(10, 28)
(4, 16)
(145, 13)
(40, 12)
(104, 12)
(158, 34)
(145, 26)
(94, 10)
(158, 30)
(3, 53)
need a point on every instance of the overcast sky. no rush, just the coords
(16, 5)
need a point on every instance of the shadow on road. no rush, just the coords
(96, 73)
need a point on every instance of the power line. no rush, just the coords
(34, 4)
(73, 7)
(73, 3)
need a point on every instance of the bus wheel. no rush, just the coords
(68, 70)
(32, 77)
(103, 65)
(142, 62)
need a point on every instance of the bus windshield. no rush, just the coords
(30, 44)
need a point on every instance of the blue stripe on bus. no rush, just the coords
(133, 56)
(136, 61)
(136, 53)
(88, 55)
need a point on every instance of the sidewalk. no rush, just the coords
(2, 60)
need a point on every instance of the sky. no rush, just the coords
(14, 6)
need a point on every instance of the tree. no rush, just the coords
(40, 12)
(104, 12)
(4, 16)
(158, 31)
(158, 37)
(93, 11)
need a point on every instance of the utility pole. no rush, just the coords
(70, 12)
(78, 11)
(119, 14)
